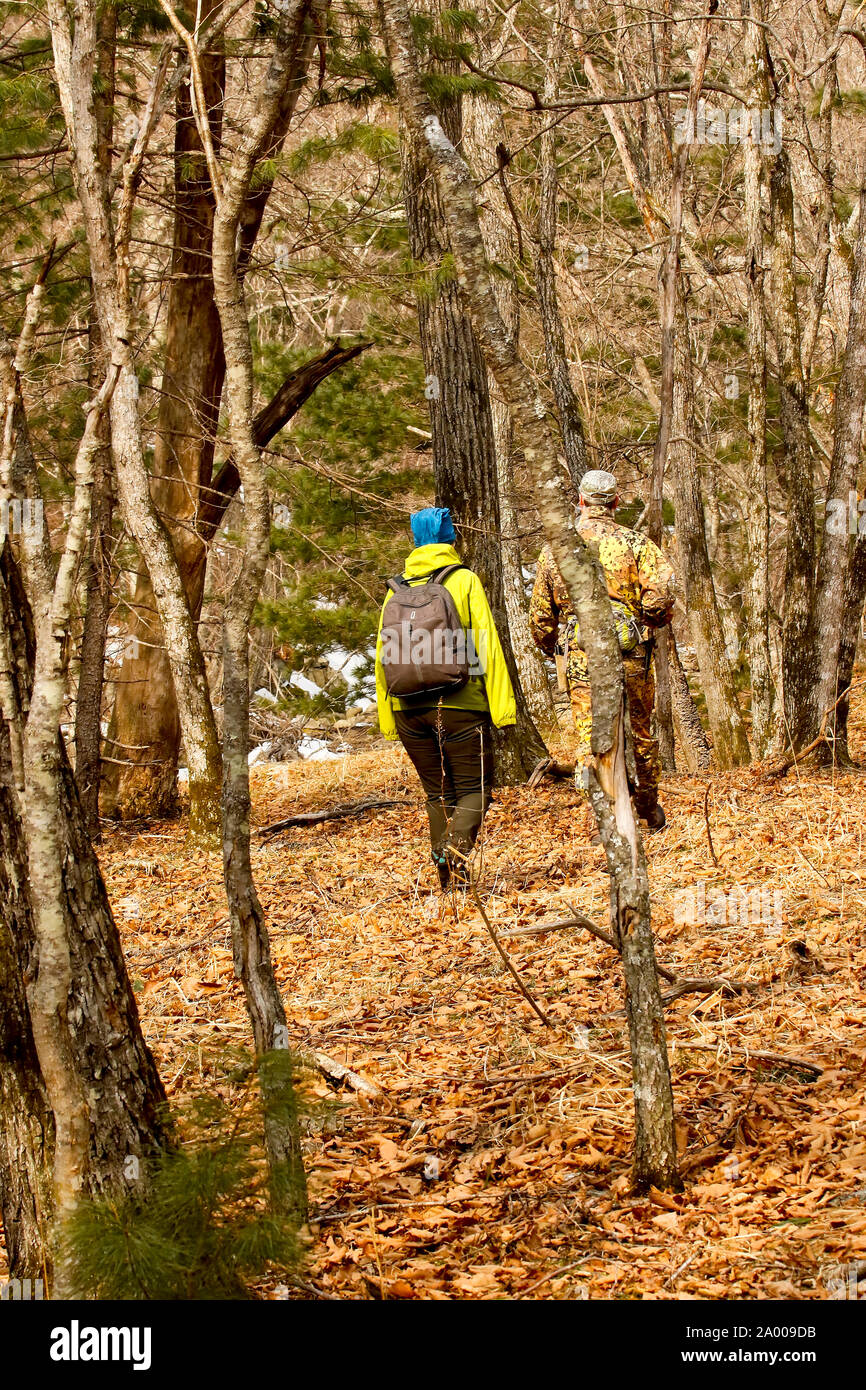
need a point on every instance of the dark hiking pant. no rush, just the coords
(452, 752)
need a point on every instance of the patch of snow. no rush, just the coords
(297, 678)
(255, 755)
(316, 750)
(263, 694)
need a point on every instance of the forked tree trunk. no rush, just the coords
(464, 454)
(144, 736)
(655, 1144)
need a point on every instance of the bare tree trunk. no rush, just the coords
(464, 455)
(98, 597)
(730, 745)
(798, 627)
(756, 505)
(689, 729)
(836, 560)
(145, 728)
(275, 100)
(33, 699)
(98, 585)
(655, 1146)
(127, 1105)
(567, 404)
(483, 134)
(855, 595)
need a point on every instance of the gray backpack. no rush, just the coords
(425, 649)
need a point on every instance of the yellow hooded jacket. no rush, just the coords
(491, 692)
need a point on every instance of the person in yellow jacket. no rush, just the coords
(448, 735)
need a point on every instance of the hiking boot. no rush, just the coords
(443, 869)
(654, 816)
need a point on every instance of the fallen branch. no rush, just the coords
(336, 1071)
(796, 1063)
(177, 950)
(779, 769)
(355, 808)
(681, 984)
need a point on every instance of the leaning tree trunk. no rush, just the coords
(127, 1103)
(464, 453)
(655, 1144)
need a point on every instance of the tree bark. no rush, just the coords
(730, 744)
(567, 405)
(464, 454)
(687, 723)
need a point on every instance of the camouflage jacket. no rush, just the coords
(636, 572)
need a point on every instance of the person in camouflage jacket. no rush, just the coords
(640, 584)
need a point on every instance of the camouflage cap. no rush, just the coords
(598, 487)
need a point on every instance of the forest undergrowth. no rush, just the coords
(494, 1160)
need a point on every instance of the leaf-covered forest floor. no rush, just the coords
(496, 1162)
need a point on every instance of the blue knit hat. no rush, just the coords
(432, 525)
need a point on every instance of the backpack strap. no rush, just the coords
(438, 576)
(434, 577)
